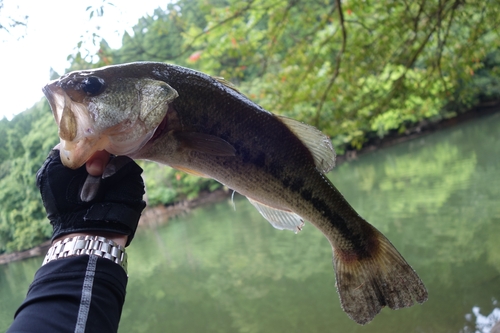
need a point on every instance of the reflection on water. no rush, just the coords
(480, 323)
(217, 270)
(14, 282)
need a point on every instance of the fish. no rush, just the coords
(204, 126)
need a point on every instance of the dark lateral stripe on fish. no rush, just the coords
(275, 169)
(359, 247)
(297, 185)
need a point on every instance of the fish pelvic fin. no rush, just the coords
(383, 278)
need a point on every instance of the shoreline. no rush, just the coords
(420, 130)
(151, 217)
(154, 216)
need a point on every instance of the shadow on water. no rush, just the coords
(220, 270)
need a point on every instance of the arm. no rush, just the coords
(76, 294)
(82, 293)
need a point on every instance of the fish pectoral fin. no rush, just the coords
(205, 143)
(279, 218)
(190, 171)
(318, 143)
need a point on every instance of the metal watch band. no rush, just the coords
(87, 245)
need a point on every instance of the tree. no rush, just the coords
(30, 136)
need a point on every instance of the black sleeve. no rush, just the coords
(77, 294)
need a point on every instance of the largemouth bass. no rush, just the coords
(202, 125)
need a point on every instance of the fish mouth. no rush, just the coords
(90, 123)
(78, 140)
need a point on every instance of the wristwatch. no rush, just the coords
(87, 245)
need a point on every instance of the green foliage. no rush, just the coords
(30, 136)
(398, 113)
(483, 86)
(356, 69)
(155, 38)
(165, 185)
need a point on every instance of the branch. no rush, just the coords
(337, 63)
(442, 43)
(216, 26)
(411, 61)
(370, 31)
(417, 18)
(311, 63)
(274, 35)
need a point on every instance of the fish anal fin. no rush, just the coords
(190, 171)
(205, 143)
(280, 219)
(318, 143)
(367, 283)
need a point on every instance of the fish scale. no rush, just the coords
(204, 126)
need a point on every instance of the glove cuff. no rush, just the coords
(104, 217)
(121, 218)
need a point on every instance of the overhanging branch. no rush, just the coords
(338, 61)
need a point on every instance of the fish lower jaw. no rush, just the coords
(75, 154)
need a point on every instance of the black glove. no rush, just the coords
(115, 206)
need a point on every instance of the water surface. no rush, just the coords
(219, 270)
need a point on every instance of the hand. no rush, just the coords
(115, 208)
(97, 163)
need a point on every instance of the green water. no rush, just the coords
(220, 270)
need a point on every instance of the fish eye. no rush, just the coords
(92, 85)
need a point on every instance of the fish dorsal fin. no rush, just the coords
(205, 143)
(280, 219)
(226, 83)
(318, 143)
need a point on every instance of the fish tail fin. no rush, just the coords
(381, 278)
